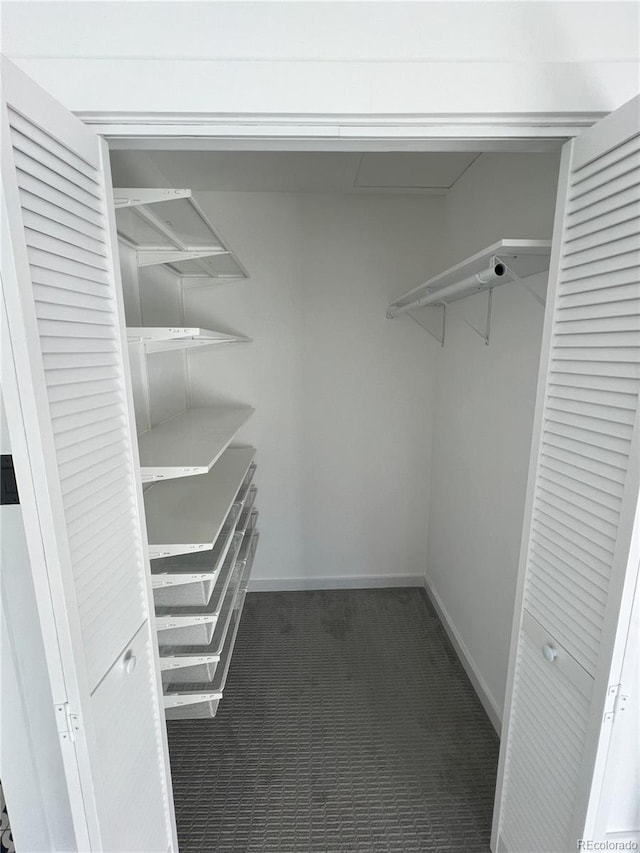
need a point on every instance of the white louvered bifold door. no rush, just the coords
(71, 401)
(582, 498)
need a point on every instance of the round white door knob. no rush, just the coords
(130, 662)
(549, 653)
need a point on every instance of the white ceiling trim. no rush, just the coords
(469, 132)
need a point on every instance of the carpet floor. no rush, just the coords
(347, 726)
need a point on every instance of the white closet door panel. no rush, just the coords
(72, 411)
(547, 731)
(80, 381)
(131, 825)
(607, 393)
(583, 491)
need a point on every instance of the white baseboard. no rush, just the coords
(337, 582)
(479, 684)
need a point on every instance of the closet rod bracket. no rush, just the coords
(443, 325)
(485, 333)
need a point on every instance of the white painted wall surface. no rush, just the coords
(343, 397)
(389, 59)
(31, 764)
(483, 416)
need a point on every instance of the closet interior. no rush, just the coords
(306, 323)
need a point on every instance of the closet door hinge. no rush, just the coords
(616, 702)
(68, 723)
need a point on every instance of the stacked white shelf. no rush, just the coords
(187, 514)
(161, 339)
(199, 497)
(190, 442)
(174, 230)
(194, 699)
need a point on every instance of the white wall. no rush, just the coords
(388, 59)
(483, 416)
(343, 397)
(31, 763)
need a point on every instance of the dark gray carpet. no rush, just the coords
(347, 724)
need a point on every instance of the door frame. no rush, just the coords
(413, 133)
(512, 133)
(419, 133)
(508, 132)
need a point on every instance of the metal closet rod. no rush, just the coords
(475, 282)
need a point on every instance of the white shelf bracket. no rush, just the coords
(136, 196)
(485, 333)
(540, 299)
(443, 327)
(151, 257)
(514, 275)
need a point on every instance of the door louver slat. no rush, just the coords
(28, 129)
(40, 208)
(32, 189)
(47, 176)
(57, 163)
(604, 161)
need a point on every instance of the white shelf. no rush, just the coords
(187, 665)
(189, 579)
(170, 575)
(175, 658)
(189, 444)
(176, 233)
(187, 514)
(522, 259)
(170, 615)
(159, 339)
(189, 625)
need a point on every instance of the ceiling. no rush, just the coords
(432, 173)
